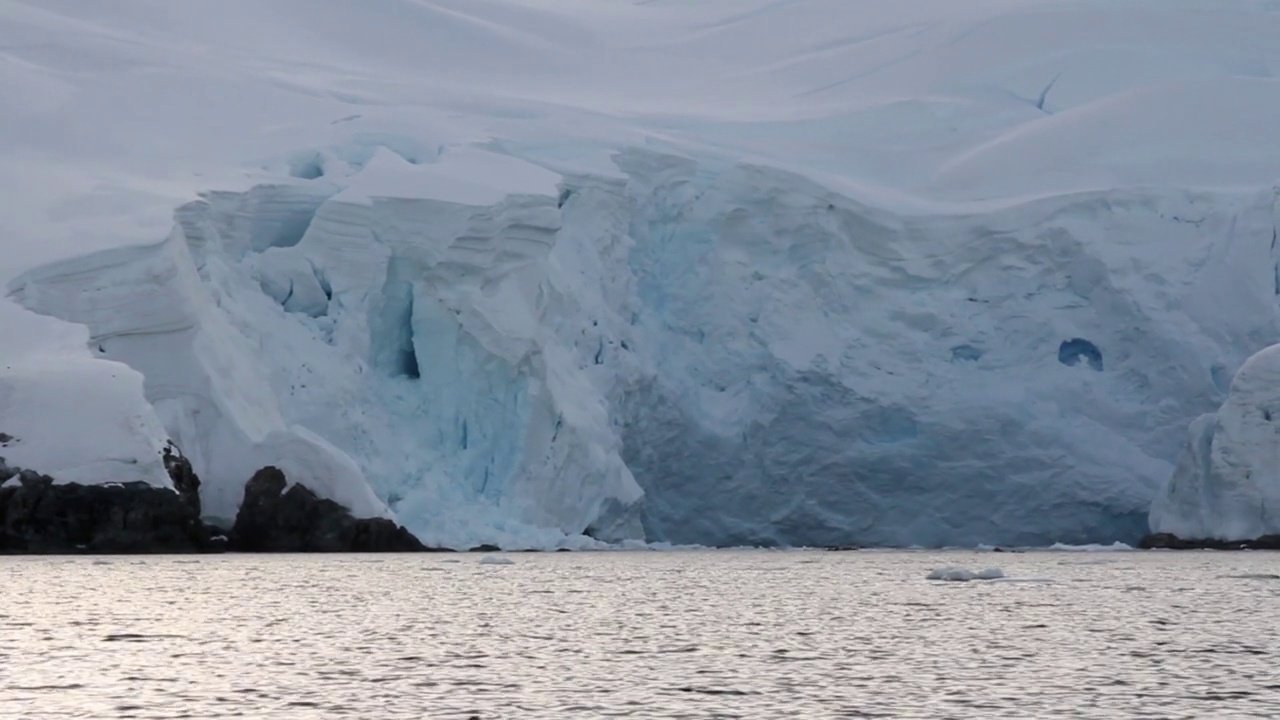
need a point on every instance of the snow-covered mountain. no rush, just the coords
(726, 271)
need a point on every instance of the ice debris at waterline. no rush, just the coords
(1229, 472)
(496, 560)
(646, 272)
(1091, 547)
(959, 574)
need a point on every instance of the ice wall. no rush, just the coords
(986, 316)
(437, 343)
(203, 382)
(691, 351)
(824, 371)
(1228, 477)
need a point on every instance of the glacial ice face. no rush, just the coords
(692, 346)
(826, 372)
(1228, 477)
(203, 383)
(427, 346)
(696, 352)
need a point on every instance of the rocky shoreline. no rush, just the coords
(1168, 541)
(41, 516)
(273, 519)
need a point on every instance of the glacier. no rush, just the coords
(1225, 482)
(725, 273)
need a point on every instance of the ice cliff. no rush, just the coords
(694, 353)
(148, 309)
(934, 274)
(1227, 481)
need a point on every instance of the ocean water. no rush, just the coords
(714, 634)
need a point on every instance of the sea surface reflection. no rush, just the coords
(714, 634)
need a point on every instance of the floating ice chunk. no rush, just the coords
(673, 547)
(959, 574)
(1116, 546)
(954, 574)
(496, 560)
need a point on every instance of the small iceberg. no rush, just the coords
(959, 574)
(496, 560)
(1116, 546)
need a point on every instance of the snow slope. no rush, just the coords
(730, 271)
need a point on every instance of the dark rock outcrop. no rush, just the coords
(1167, 541)
(39, 516)
(272, 519)
(184, 478)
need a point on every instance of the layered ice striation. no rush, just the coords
(692, 351)
(1227, 482)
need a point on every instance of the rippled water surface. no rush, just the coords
(692, 635)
